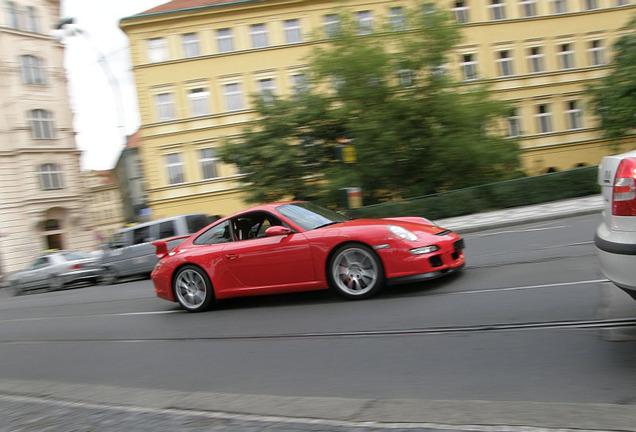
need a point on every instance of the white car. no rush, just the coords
(615, 238)
(55, 270)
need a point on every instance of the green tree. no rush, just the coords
(414, 129)
(613, 98)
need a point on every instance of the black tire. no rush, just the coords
(192, 289)
(355, 272)
(55, 283)
(108, 277)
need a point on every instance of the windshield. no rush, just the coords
(72, 256)
(310, 216)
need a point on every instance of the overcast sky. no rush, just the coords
(96, 98)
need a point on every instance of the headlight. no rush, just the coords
(424, 250)
(402, 233)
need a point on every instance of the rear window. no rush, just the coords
(196, 222)
(166, 229)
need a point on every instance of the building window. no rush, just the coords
(208, 162)
(41, 124)
(497, 10)
(505, 63)
(596, 50)
(157, 50)
(174, 167)
(293, 31)
(165, 106)
(469, 67)
(566, 56)
(461, 11)
(573, 112)
(258, 34)
(544, 118)
(190, 45)
(233, 97)
(365, 22)
(514, 124)
(299, 83)
(406, 78)
(32, 70)
(13, 15)
(225, 40)
(528, 8)
(559, 6)
(590, 4)
(32, 20)
(267, 89)
(535, 58)
(50, 177)
(397, 19)
(331, 25)
(199, 101)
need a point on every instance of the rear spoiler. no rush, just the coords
(162, 245)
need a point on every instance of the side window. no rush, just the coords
(141, 235)
(195, 222)
(217, 234)
(39, 263)
(166, 229)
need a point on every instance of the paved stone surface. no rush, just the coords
(42, 406)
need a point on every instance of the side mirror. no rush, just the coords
(277, 230)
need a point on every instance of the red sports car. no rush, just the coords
(299, 246)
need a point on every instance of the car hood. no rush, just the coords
(407, 223)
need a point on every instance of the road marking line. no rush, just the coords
(585, 282)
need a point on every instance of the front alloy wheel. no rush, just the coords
(193, 289)
(355, 272)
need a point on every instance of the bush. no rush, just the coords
(512, 193)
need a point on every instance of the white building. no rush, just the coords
(42, 197)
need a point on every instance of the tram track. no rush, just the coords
(595, 324)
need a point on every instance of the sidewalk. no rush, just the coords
(44, 406)
(518, 215)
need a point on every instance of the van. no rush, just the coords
(130, 252)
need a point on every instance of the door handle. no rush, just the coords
(231, 256)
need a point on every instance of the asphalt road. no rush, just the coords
(530, 320)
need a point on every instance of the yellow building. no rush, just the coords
(196, 62)
(106, 205)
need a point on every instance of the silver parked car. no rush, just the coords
(615, 238)
(56, 270)
(131, 253)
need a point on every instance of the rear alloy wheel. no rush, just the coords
(355, 272)
(193, 289)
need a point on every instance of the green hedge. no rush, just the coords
(512, 193)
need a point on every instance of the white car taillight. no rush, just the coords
(624, 191)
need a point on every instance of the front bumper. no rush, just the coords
(424, 276)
